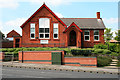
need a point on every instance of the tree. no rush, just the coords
(117, 37)
(108, 34)
(2, 36)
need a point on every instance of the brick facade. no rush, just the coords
(91, 43)
(64, 39)
(26, 41)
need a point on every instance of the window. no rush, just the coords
(86, 35)
(55, 30)
(32, 30)
(96, 35)
(44, 27)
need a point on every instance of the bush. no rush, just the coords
(106, 51)
(103, 61)
(112, 47)
(83, 52)
(114, 54)
(119, 56)
(101, 51)
(98, 51)
(100, 46)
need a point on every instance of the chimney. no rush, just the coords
(98, 15)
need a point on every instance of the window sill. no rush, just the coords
(87, 40)
(45, 39)
(97, 41)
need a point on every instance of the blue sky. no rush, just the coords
(14, 13)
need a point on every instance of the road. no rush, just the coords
(12, 72)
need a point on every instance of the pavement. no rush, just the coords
(63, 67)
(13, 72)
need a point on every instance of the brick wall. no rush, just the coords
(1, 56)
(43, 57)
(7, 44)
(81, 61)
(91, 43)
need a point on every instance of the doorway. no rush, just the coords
(17, 43)
(72, 38)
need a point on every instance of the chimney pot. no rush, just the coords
(98, 15)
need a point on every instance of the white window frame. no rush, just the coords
(55, 28)
(87, 35)
(44, 30)
(96, 35)
(32, 32)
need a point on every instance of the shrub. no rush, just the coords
(100, 46)
(114, 54)
(11, 49)
(119, 56)
(18, 49)
(98, 51)
(5, 50)
(83, 52)
(106, 51)
(103, 61)
(112, 47)
(118, 64)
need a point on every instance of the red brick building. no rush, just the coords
(14, 37)
(45, 29)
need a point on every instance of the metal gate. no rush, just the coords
(57, 58)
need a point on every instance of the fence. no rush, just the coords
(9, 57)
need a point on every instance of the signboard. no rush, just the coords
(43, 41)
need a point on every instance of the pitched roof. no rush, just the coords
(12, 34)
(38, 11)
(113, 41)
(85, 23)
(73, 24)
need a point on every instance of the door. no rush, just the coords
(56, 58)
(72, 38)
(17, 43)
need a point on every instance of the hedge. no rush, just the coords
(83, 52)
(100, 46)
(101, 51)
(113, 47)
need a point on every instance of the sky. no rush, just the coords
(13, 13)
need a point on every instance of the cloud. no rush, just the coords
(110, 20)
(13, 24)
(111, 23)
(59, 15)
(8, 3)
(1, 25)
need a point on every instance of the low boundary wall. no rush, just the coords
(45, 57)
(1, 56)
(81, 61)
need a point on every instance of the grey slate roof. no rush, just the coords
(85, 23)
